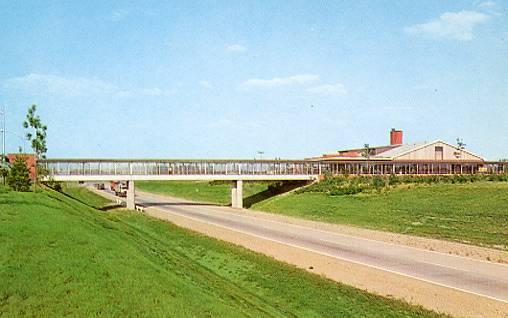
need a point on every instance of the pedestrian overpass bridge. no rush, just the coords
(131, 170)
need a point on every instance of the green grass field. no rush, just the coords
(60, 257)
(201, 191)
(82, 194)
(475, 213)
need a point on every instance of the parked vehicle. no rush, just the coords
(120, 188)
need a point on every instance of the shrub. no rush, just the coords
(502, 177)
(218, 182)
(393, 180)
(378, 182)
(55, 185)
(4, 172)
(345, 185)
(19, 178)
(347, 190)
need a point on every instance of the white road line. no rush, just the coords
(367, 239)
(340, 234)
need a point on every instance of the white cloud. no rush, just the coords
(451, 25)
(119, 14)
(236, 48)
(298, 79)
(206, 84)
(490, 7)
(58, 85)
(47, 84)
(328, 89)
(487, 4)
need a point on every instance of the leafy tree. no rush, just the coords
(36, 136)
(18, 178)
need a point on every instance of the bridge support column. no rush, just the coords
(131, 195)
(237, 194)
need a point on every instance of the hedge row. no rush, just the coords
(352, 184)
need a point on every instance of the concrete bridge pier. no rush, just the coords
(237, 194)
(131, 195)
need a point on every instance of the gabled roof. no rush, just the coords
(407, 148)
(370, 147)
(401, 150)
(466, 151)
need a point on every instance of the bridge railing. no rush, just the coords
(105, 167)
(175, 167)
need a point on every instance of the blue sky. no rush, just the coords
(217, 79)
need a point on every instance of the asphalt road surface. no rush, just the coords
(469, 275)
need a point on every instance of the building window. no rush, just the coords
(439, 153)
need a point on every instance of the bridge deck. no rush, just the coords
(104, 170)
(234, 169)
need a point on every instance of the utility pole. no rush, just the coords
(4, 132)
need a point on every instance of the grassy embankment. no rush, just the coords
(85, 196)
(61, 257)
(464, 211)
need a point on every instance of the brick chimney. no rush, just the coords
(395, 137)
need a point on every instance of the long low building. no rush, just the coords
(435, 157)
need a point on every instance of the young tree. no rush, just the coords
(36, 136)
(366, 151)
(18, 178)
(460, 144)
(366, 154)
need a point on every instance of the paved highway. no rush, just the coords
(473, 276)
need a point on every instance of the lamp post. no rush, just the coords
(2, 111)
(4, 132)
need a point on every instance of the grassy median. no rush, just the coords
(60, 257)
